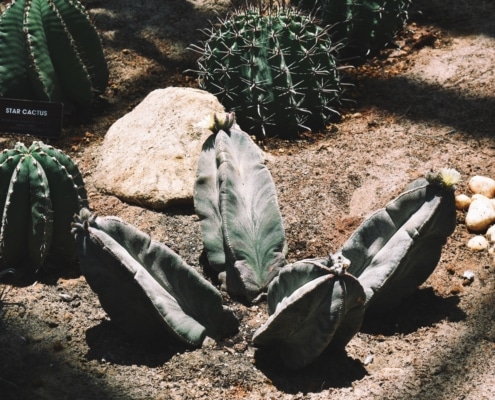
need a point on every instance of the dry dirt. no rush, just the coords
(425, 105)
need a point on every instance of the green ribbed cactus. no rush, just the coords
(50, 51)
(362, 25)
(277, 71)
(41, 188)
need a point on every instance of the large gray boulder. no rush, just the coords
(149, 156)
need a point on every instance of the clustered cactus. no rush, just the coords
(50, 51)
(363, 26)
(40, 190)
(276, 70)
(314, 304)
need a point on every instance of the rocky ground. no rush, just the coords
(424, 105)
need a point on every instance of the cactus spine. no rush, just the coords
(277, 71)
(41, 190)
(50, 51)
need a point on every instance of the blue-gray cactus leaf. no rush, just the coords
(398, 247)
(236, 201)
(253, 233)
(146, 288)
(315, 308)
(295, 276)
(206, 205)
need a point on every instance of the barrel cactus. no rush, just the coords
(362, 25)
(236, 201)
(148, 291)
(276, 70)
(50, 51)
(41, 188)
(312, 304)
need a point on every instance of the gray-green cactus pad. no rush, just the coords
(146, 288)
(398, 247)
(236, 201)
(311, 307)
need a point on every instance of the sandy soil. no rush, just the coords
(424, 105)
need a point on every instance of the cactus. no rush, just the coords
(50, 51)
(362, 25)
(397, 248)
(147, 289)
(277, 71)
(312, 304)
(41, 188)
(236, 201)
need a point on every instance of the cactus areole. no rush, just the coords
(277, 71)
(41, 189)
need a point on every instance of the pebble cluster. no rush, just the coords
(480, 212)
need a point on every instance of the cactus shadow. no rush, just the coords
(48, 275)
(461, 17)
(332, 369)
(424, 102)
(108, 344)
(423, 308)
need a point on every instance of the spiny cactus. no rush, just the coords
(50, 51)
(276, 70)
(41, 188)
(236, 201)
(147, 289)
(361, 25)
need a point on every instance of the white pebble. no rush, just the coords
(490, 234)
(478, 243)
(469, 275)
(482, 185)
(462, 202)
(480, 215)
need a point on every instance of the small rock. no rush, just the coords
(482, 185)
(369, 359)
(480, 215)
(462, 202)
(490, 234)
(209, 342)
(468, 275)
(478, 243)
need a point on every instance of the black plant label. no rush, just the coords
(37, 118)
